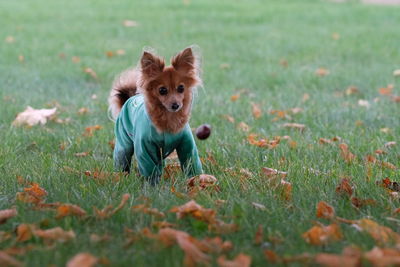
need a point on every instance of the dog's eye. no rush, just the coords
(163, 91)
(180, 88)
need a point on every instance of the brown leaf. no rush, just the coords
(130, 23)
(241, 260)
(359, 203)
(243, 127)
(222, 228)
(382, 257)
(108, 211)
(8, 261)
(7, 214)
(33, 194)
(322, 72)
(91, 72)
(202, 182)
(259, 236)
(83, 111)
(346, 154)
(171, 170)
(333, 260)
(229, 118)
(235, 97)
(286, 190)
(82, 154)
(256, 110)
(55, 234)
(321, 234)
(344, 187)
(273, 173)
(82, 260)
(297, 126)
(324, 210)
(89, 131)
(69, 210)
(31, 116)
(215, 245)
(193, 209)
(25, 232)
(381, 234)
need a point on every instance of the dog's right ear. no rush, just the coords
(151, 65)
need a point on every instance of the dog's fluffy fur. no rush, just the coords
(148, 77)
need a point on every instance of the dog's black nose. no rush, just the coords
(175, 106)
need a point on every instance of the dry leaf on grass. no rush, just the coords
(82, 260)
(25, 232)
(256, 110)
(108, 211)
(381, 234)
(259, 235)
(229, 118)
(322, 72)
(321, 234)
(372, 159)
(55, 234)
(243, 126)
(8, 261)
(171, 170)
(202, 182)
(258, 206)
(82, 154)
(7, 214)
(273, 173)
(344, 187)
(130, 23)
(33, 194)
(383, 257)
(195, 210)
(90, 72)
(235, 97)
(89, 131)
(297, 126)
(334, 260)
(31, 116)
(144, 208)
(346, 154)
(324, 210)
(241, 260)
(69, 210)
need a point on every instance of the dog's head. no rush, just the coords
(170, 86)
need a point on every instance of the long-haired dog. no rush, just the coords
(151, 105)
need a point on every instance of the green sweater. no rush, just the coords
(136, 134)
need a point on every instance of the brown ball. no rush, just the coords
(203, 131)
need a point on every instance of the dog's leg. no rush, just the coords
(149, 161)
(188, 155)
(122, 157)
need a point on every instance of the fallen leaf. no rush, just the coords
(25, 232)
(243, 126)
(344, 187)
(83, 111)
(31, 116)
(229, 118)
(259, 236)
(372, 159)
(89, 131)
(7, 214)
(335, 36)
(130, 23)
(351, 90)
(21, 58)
(382, 257)
(322, 72)
(305, 97)
(359, 203)
(195, 210)
(235, 97)
(120, 52)
(321, 234)
(346, 154)
(33, 194)
(215, 245)
(91, 72)
(82, 260)
(75, 59)
(381, 234)
(324, 210)
(10, 39)
(224, 66)
(202, 182)
(55, 234)
(273, 173)
(333, 260)
(297, 126)
(108, 211)
(171, 170)
(241, 260)
(286, 190)
(6, 260)
(256, 110)
(325, 141)
(390, 144)
(69, 210)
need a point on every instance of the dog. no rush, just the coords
(151, 105)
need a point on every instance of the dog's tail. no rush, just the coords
(124, 86)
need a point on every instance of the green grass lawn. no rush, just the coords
(249, 39)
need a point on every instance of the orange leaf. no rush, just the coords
(24, 232)
(55, 234)
(297, 126)
(82, 260)
(322, 72)
(91, 129)
(195, 210)
(229, 118)
(68, 210)
(256, 110)
(358, 203)
(7, 260)
(320, 235)
(91, 72)
(344, 187)
(235, 97)
(273, 173)
(324, 210)
(241, 260)
(382, 257)
(332, 260)
(7, 214)
(346, 154)
(243, 126)
(258, 238)
(202, 182)
(381, 234)
(108, 211)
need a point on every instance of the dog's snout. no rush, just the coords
(175, 106)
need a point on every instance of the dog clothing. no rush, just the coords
(136, 134)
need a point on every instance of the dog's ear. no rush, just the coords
(184, 61)
(151, 65)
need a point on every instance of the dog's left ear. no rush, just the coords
(184, 61)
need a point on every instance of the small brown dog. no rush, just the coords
(151, 104)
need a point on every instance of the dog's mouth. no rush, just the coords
(174, 110)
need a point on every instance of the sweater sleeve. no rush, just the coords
(188, 155)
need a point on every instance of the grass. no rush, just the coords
(252, 37)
